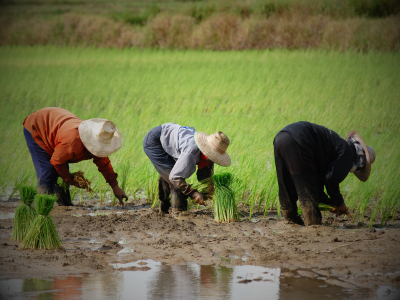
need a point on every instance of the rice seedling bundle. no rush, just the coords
(42, 233)
(225, 207)
(25, 213)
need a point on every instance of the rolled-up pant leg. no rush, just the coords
(163, 162)
(46, 174)
(297, 178)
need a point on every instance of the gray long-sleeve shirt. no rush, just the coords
(178, 141)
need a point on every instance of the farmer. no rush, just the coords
(175, 151)
(56, 137)
(309, 157)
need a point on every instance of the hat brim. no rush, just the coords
(362, 175)
(93, 144)
(210, 151)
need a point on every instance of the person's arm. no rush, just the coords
(59, 160)
(336, 173)
(184, 167)
(104, 166)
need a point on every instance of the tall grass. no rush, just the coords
(249, 95)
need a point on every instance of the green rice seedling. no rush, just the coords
(42, 233)
(4, 177)
(102, 191)
(81, 192)
(20, 180)
(24, 214)
(269, 90)
(206, 187)
(225, 206)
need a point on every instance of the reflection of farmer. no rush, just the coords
(56, 137)
(309, 157)
(175, 151)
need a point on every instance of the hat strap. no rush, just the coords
(220, 150)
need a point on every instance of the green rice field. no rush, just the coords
(249, 95)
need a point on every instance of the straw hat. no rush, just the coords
(100, 136)
(214, 147)
(369, 156)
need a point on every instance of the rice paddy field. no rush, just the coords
(249, 95)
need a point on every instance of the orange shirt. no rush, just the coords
(55, 130)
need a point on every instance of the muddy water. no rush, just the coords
(147, 279)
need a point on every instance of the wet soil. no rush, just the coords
(340, 252)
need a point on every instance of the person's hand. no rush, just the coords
(119, 194)
(198, 198)
(75, 183)
(341, 210)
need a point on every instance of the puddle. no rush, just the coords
(126, 250)
(4, 216)
(98, 214)
(148, 279)
(123, 242)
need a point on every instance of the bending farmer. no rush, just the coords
(175, 151)
(56, 137)
(309, 157)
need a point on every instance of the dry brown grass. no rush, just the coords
(219, 32)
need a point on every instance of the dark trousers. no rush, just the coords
(163, 162)
(297, 179)
(46, 174)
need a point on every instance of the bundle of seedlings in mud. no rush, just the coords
(79, 178)
(42, 233)
(25, 213)
(225, 207)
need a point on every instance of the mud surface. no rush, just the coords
(342, 253)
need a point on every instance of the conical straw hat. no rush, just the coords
(214, 147)
(369, 156)
(100, 136)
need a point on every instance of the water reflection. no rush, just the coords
(190, 282)
(148, 279)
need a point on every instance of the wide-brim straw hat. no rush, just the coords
(214, 147)
(100, 136)
(369, 156)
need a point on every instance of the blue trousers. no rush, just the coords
(162, 161)
(46, 174)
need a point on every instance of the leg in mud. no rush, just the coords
(309, 199)
(46, 174)
(287, 189)
(308, 188)
(164, 192)
(163, 163)
(63, 195)
(178, 200)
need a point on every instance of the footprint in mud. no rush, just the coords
(109, 245)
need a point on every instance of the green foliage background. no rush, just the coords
(249, 95)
